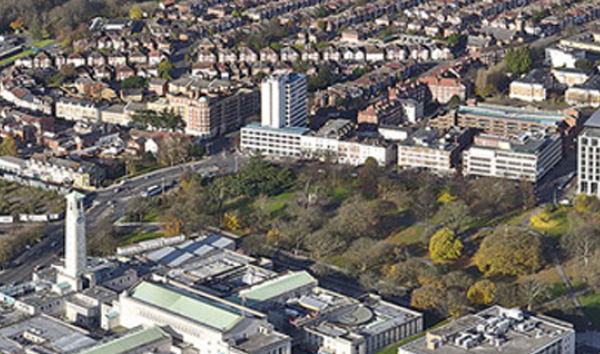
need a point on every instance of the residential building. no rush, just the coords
(588, 157)
(570, 77)
(77, 110)
(434, 149)
(62, 171)
(586, 94)
(338, 141)
(115, 114)
(214, 114)
(382, 112)
(283, 100)
(444, 88)
(497, 330)
(526, 156)
(531, 87)
(508, 120)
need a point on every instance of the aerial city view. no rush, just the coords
(300, 177)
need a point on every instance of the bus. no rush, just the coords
(152, 191)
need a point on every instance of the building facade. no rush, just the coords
(283, 100)
(524, 157)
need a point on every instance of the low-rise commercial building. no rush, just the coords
(525, 156)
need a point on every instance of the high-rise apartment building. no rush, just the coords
(588, 157)
(283, 100)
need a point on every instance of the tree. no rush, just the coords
(533, 291)
(171, 224)
(453, 39)
(455, 215)
(519, 61)
(482, 293)
(424, 201)
(584, 64)
(491, 81)
(136, 12)
(367, 178)
(509, 252)
(165, 68)
(445, 247)
(586, 204)
(581, 240)
(8, 147)
(428, 297)
(173, 150)
(134, 82)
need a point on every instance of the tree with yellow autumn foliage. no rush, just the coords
(445, 247)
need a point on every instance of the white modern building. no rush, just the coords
(334, 141)
(497, 330)
(588, 157)
(559, 57)
(525, 156)
(283, 142)
(210, 324)
(283, 100)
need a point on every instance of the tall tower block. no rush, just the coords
(75, 240)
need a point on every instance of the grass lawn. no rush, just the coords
(39, 44)
(409, 236)
(553, 223)
(140, 236)
(591, 307)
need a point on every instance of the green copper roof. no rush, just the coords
(195, 307)
(128, 342)
(277, 286)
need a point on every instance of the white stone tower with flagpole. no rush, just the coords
(75, 242)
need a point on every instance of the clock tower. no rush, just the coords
(75, 241)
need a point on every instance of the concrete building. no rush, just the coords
(433, 149)
(328, 322)
(283, 100)
(526, 156)
(336, 141)
(283, 142)
(497, 330)
(588, 157)
(139, 341)
(209, 324)
(43, 334)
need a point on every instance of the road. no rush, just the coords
(107, 203)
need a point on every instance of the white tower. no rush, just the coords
(283, 100)
(75, 241)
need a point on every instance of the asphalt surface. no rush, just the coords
(107, 203)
